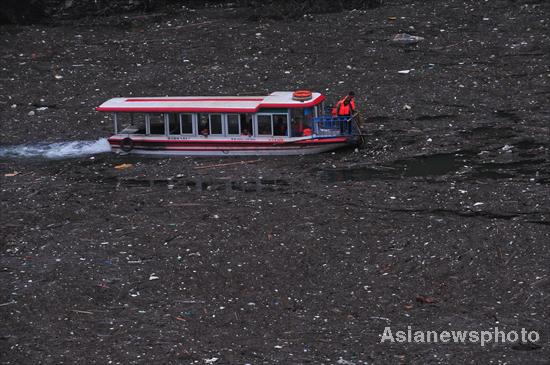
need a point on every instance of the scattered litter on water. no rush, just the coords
(123, 166)
(404, 38)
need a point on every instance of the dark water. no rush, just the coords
(461, 164)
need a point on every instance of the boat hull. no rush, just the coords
(213, 147)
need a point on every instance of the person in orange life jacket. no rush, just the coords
(346, 108)
(346, 105)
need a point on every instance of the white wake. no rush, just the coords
(56, 149)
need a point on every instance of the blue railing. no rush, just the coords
(327, 125)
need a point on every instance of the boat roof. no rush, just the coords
(197, 104)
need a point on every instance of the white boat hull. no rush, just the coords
(244, 146)
(276, 151)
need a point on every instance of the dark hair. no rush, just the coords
(351, 93)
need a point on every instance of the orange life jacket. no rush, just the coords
(346, 106)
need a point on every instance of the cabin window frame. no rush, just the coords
(193, 124)
(272, 116)
(169, 133)
(210, 125)
(257, 124)
(287, 124)
(252, 132)
(226, 124)
(120, 129)
(148, 124)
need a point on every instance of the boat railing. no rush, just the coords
(327, 125)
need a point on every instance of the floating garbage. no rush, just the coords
(405, 38)
(123, 166)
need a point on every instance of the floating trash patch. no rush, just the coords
(56, 150)
(198, 184)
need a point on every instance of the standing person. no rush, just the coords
(346, 106)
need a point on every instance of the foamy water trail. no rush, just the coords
(56, 149)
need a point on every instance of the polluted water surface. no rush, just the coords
(199, 184)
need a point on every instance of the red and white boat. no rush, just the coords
(282, 123)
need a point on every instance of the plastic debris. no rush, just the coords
(406, 107)
(342, 361)
(211, 361)
(507, 148)
(11, 174)
(153, 277)
(123, 166)
(404, 72)
(478, 203)
(405, 38)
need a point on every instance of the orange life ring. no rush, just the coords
(302, 95)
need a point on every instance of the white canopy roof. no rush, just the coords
(222, 104)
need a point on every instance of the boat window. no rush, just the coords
(246, 125)
(233, 124)
(130, 123)
(186, 121)
(297, 121)
(264, 125)
(173, 124)
(216, 124)
(202, 120)
(280, 124)
(156, 124)
(308, 114)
